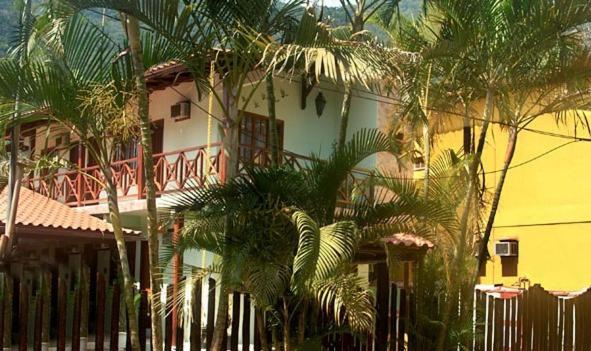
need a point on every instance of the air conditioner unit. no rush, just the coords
(26, 143)
(180, 111)
(508, 248)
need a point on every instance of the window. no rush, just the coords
(255, 136)
(418, 162)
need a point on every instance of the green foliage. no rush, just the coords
(280, 238)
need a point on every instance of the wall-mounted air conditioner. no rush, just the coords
(26, 143)
(180, 111)
(507, 248)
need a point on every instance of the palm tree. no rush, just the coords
(485, 49)
(359, 12)
(559, 85)
(287, 246)
(132, 28)
(203, 32)
(14, 175)
(70, 82)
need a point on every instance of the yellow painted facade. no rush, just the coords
(545, 204)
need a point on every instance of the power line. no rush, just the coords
(545, 153)
(452, 113)
(572, 138)
(546, 133)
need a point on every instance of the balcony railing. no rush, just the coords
(173, 171)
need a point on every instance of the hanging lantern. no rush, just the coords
(320, 102)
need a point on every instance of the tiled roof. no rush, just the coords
(36, 210)
(161, 66)
(408, 240)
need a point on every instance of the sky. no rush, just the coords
(332, 3)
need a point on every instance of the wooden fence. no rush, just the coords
(532, 320)
(53, 311)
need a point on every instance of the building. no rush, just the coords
(544, 208)
(187, 154)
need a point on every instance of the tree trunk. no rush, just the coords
(221, 320)
(133, 33)
(344, 117)
(259, 314)
(510, 152)
(230, 134)
(273, 132)
(230, 144)
(470, 193)
(302, 322)
(14, 176)
(8, 296)
(427, 157)
(7, 239)
(128, 280)
(275, 338)
(286, 327)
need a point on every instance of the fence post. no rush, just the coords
(100, 315)
(115, 315)
(144, 320)
(76, 320)
(257, 335)
(568, 325)
(210, 313)
(383, 289)
(6, 328)
(23, 315)
(37, 335)
(393, 316)
(489, 322)
(402, 321)
(196, 322)
(235, 326)
(84, 306)
(168, 321)
(61, 314)
(246, 323)
(46, 313)
(412, 321)
(3, 302)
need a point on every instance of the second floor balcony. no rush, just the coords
(174, 171)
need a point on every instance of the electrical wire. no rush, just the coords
(397, 103)
(537, 157)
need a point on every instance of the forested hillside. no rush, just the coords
(9, 19)
(7, 23)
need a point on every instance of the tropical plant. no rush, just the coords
(14, 174)
(132, 29)
(281, 238)
(211, 34)
(359, 12)
(485, 51)
(69, 82)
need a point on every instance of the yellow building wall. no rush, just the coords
(545, 204)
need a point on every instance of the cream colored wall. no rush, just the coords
(304, 131)
(545, 205)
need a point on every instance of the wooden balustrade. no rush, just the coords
(173, 171)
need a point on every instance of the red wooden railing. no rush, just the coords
(173, 171)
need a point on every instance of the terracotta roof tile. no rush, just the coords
(37, 210)
(408, 240)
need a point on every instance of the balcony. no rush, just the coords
(173, 171)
